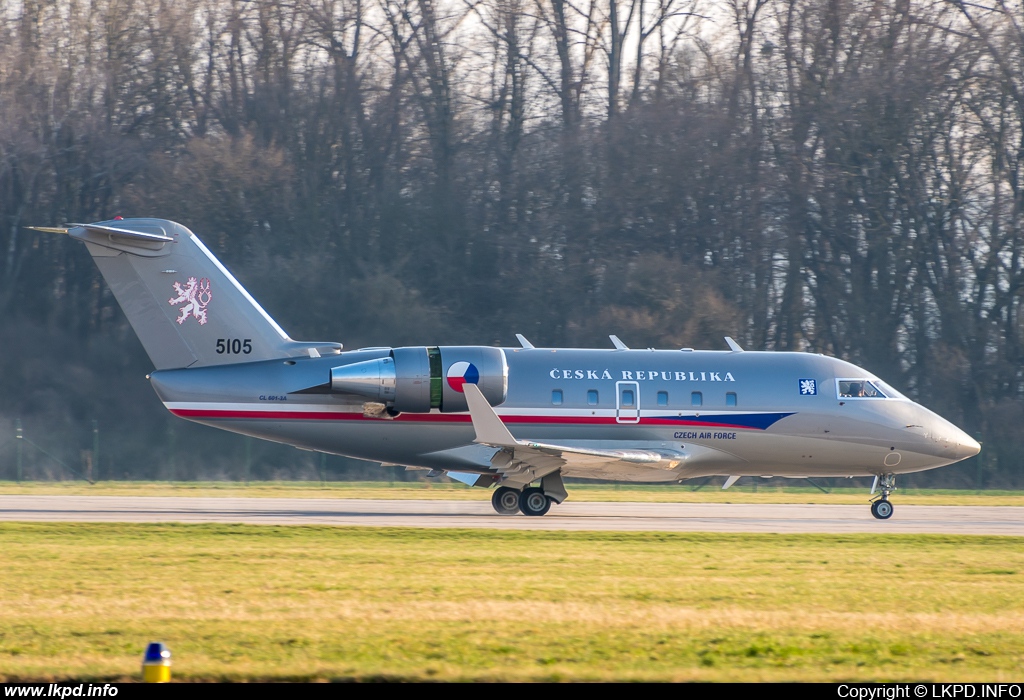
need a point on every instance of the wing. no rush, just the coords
(524, 461)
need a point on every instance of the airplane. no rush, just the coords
(515, 418)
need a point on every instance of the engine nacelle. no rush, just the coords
(418, 379)
(484, 366)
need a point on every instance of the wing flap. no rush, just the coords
(582, 454)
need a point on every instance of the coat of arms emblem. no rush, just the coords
(195, 294)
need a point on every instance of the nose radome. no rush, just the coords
(967, 446)
(952, 442)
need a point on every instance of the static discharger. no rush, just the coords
(156, 664)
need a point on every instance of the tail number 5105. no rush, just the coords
(234, 346)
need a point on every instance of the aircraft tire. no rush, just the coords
(882, 509)
(534, 502)
(505, 500)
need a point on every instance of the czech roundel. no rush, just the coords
(460, 373)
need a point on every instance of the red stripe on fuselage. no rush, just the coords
(438, 418)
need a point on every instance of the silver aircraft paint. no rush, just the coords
(509, 417)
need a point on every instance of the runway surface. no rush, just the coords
(664, 517)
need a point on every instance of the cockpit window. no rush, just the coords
(860, 389)
(888, 390)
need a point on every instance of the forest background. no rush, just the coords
(835, 176)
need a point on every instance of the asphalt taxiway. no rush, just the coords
(664, 517)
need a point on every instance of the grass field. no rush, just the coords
(742, 492)
(307, 603)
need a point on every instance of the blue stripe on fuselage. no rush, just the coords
(755, 421)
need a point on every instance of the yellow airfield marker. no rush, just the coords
(156, 664)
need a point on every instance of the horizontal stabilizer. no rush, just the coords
(123, 232)
(297, 348)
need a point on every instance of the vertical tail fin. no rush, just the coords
(184, 305)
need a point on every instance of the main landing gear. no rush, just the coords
(533, 501)
(529, 501)
(880, 507)
(505, 500)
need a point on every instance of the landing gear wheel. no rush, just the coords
(881, 509)
(505, 500)
(532, 501)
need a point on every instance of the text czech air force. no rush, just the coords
(642, 375)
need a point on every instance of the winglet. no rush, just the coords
(619, 345)
(733, 345)
(527, 345)
(489, 428)
(730, 481)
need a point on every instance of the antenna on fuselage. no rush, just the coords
(733, 345)
(527, 345)
(619, 345)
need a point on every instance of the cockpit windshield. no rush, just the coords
(861, 389)
(888, 390)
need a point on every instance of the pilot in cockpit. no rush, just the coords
(851, 389)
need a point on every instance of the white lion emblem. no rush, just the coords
(196, 294)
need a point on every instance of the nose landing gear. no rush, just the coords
(880, 507)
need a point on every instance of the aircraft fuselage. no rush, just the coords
(732, 413)
(510, 417)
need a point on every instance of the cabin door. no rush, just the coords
(627, 402)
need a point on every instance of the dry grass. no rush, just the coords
(250, 602)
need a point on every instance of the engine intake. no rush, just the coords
(418, 379)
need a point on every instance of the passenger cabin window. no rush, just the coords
(860, 389)
(663, 398)
(696, 398)
(556, 397)
(628, 399)
(592, 397)
(730, 398)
